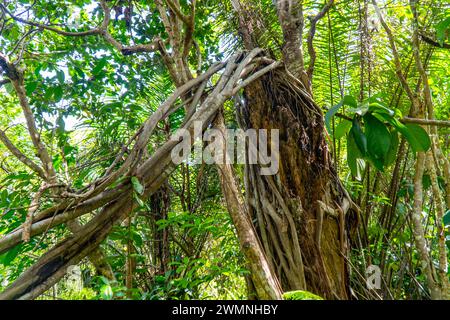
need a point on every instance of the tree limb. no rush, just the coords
(20, 156)
(102, 30)
(312, 32)
(433, 42)
(398, 66)
(4, 81)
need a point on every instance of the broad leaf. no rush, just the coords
(442, 30)
(342, 129)
(392, 153)
(446, 218)
(417, 137)
(378, 140)
(359, 137)
(355, 163)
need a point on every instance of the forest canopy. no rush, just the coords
(341, 188)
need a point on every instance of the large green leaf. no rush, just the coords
(99, 66)
(9, 256)
(442, 30)
(379, 108)
(416, 136)
(359, 137)
(392, 153)
(354, 158)
(378, 140)
(342, 129)
(446, 218)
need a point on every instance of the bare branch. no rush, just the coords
(312, 32)
(428, 122)
(398, 66)
(290, 16)
(20, 156)
(4, 81)
(16, 78)
(177, 10)
(189, 33)
(432, 42)
(45, 27)
(425, 122)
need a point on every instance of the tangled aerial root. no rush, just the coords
(113, 204)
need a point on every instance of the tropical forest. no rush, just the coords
(224, 150)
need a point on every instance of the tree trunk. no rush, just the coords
(265, 283)
(301, 212)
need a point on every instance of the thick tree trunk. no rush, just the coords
(301, 212)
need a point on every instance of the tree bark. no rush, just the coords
(302, 213)
(263, 278)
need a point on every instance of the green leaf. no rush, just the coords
(99, 66)
(79, 71)
(9, 256)
(441, 30)
(426, 181)
(137, 239)
(30, 87)
(381, 109)
(300, 295)
(137, 186)
(359, 136)
(330, 114)
(342, 129)
(417, 137)
(446, 218)
(106, 292)
(355, 163)
(378, 141)
(392, 153)
(347, 100)
(49, 91)
(61, 124)
(58, 93)
(60, 75)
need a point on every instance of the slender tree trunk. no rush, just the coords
(160, 206)
(263, 278)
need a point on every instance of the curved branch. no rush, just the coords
(20, 156)
(312, 32)
(398, 66)
(102, 31)
(45, 27)
(432, 42)
(4, 81)
(16, 77)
